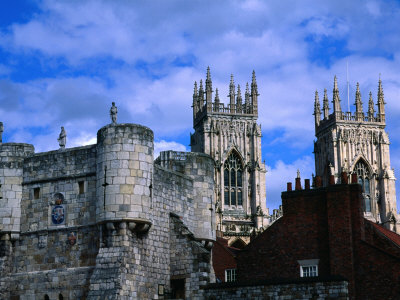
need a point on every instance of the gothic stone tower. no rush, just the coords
(357, 144)
(231, 136)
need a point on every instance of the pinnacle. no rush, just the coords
(253, 79)
(195, 88)
(216, 94)
(335, 85)
(208, 78)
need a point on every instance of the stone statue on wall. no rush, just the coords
(113, 113)
(62, 138)
(1, 132)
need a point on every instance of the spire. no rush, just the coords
(336, 100)
(208, 90)
(195, 96)
(200, 98)
(232, 95)
(216, 101)
(381, 103)
(254, 93)
(317, 109)
(371, 110)
(325, 106)
(239, 100)
(359, 109)
(247, 99)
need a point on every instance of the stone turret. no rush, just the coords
(12, 156)
(124, 175)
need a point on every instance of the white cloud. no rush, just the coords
(281, 173)
(159, 48)
(165, 146)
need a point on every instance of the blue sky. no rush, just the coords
(62, 63)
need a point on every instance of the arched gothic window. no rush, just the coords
(363, 176)
(233, 180)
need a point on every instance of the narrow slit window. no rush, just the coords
(81, 185)
(36, 193)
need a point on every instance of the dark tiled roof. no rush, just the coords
(394, 237)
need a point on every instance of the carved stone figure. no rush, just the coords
(1, 132)
(113, 113)
(62, 138)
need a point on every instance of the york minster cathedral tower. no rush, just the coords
(357, 144)
(230, 134)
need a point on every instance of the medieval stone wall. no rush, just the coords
(307, 290)
(103, 220)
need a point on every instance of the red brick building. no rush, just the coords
(224, 260)
(323, 233)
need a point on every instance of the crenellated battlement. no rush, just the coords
(203, 104)
(357, 143)
(76, 210)
(359, 116)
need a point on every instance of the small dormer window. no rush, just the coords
(308, 267)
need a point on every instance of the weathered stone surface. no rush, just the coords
(103, 221)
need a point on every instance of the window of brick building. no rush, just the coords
(309, 271)
(230, 275)
(233, 180)
(308, 267)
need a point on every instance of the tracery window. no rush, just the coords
(233, 180)
(363, 176)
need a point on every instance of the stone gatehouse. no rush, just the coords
(104, 221)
